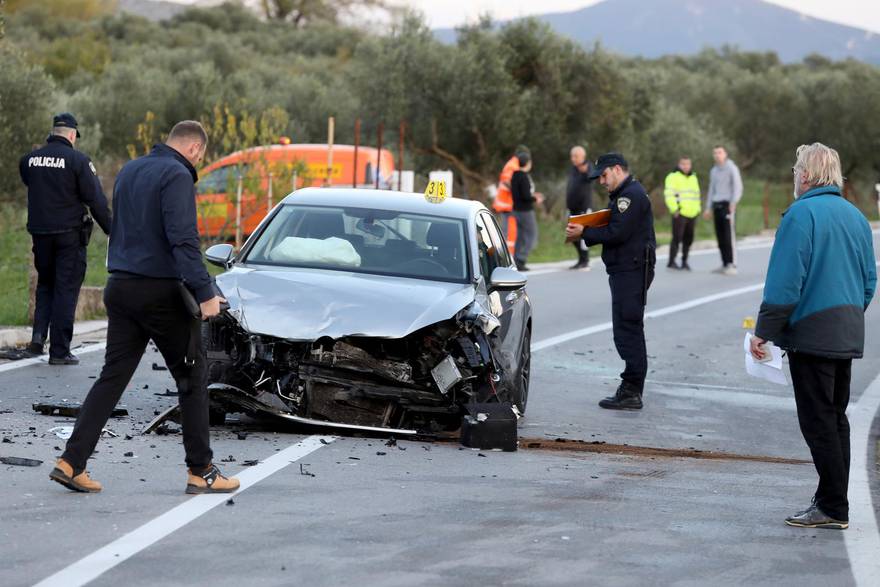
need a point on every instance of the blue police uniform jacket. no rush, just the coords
(821, 278)
(628, 241)
(60, 182)
(155, 227)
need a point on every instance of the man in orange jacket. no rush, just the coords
(503, 203)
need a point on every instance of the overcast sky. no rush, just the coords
(863, 14)
(445, 13)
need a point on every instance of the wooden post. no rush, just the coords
(766, 204)
(331, 123)
(378, 154)
(400, 156)
(293, 181)
(269, 195)
(357, 143)
(238, 211)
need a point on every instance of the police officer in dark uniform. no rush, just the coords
(628, 252)
(64, 196)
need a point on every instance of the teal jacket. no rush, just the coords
(821, 278)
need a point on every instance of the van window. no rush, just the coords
(221, 180)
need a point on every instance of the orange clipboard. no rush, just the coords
(593, 219)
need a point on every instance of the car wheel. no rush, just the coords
(521, 385)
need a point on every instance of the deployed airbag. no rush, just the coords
(332, 251)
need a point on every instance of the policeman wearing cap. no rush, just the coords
(64, 196)
(628, 252)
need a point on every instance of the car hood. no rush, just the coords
(307, 304)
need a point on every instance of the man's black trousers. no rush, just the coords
(60, 260)
(629, 291)
(821, 391)
(139, 310)
(683, 236)
(583, 251)
(724, 231)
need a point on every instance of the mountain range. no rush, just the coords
(652, 28)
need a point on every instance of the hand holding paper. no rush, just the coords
(769, 367)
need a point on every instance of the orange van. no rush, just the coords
(289, 167)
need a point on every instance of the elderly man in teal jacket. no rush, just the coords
(821, 278)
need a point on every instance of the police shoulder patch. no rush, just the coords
(623, 204)
(92, 167)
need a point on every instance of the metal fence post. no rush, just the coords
(238, 211)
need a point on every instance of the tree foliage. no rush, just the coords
(466, 105)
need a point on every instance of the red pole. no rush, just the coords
(400, 157)
(378, 154)
(357, 143)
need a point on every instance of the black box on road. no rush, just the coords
(489, 426)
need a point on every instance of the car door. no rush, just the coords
(510, 306)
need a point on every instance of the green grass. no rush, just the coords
(15, 264)
(749, 221)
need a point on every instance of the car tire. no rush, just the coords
(521, 385)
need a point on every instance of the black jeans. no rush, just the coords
(682, 235)
(821, 391)
(139, 310)
(583, 251)
(629, 294)
(60, 260)
(724, 231)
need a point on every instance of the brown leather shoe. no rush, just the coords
(63, 473)
(212, 481)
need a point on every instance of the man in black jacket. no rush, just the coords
(628, 251)
(522, 190)
(154, 246)
(63, 188)
(579, 198)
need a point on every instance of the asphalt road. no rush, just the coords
(336, 510)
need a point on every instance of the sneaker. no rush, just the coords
(576, 266)
(627, 397)
(719, 270)
(63, 473)
(672, 265)
(685, 266)
(34, 349)
(211, 481)
(730, 270)
(585, 267)
(70, 359)
(813, 517)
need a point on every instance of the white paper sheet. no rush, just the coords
(771, 370)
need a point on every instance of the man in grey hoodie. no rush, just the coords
(725, 191)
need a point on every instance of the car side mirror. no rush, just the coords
(505, 278)
(220, 255)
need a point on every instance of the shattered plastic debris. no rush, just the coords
(230, 501)
(71, 410)
(20, 462)
(167, 429)
(158, 367)
(251, 462)
(304, 471)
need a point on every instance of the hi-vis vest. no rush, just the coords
(503, 201)
(682, 194)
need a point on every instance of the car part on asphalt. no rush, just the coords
(489, 427)
(71, 410)
(20, 462)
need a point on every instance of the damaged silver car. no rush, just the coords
(371, 310)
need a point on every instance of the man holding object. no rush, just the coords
(821, 278)
(154, 244)
(628, 252)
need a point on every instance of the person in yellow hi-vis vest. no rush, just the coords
(682, 192)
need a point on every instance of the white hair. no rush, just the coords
(819, 164)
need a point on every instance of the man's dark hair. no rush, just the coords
(684, 158)
(523, 159)
(720, 147)
(189, 130)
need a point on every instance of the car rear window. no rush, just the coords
(365, 241)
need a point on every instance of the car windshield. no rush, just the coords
(365, 241)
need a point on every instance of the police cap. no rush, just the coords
(66, 120)
(605, 161)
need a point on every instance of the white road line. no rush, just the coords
(89, 348)
(562, 338)
(863, 537)
(99, 562)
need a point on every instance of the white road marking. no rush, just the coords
(102, 560)
(88, 348)
(568, 336)
(863, 537)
